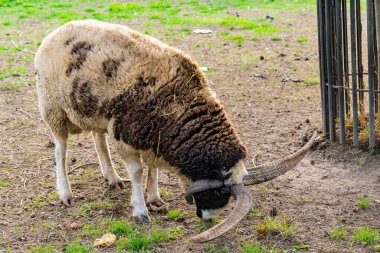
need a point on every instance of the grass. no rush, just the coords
(88, 207)
(4, 183)
(120, 227)
(43, 249)
(176, 215)
(279, 224)
(209, 248)
(176, 232)
(255, 213)
(302, 40)
(311, 80)
(366, 235)
(5, 73)
(164, 192)
(363, 122)
(140, 240)
(77, 247)
(337, 233)
(276, 39)
(238, 38)
(204, 225)
(92, 231)
(363, 203)
(252, 248)
(36, 203)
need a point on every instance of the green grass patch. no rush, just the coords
(238, 38)
(252, 248)
(276, 39)
(337, 233)
(366, 235)
(204, 225)
(176, 232)
(302, 40)
(140, 240)
(37, 202)
(77, 247)
(186, 31)
(88, 207)
(176, 215)
(279, 224)
(43, 249)
(159, 5)
(135, 243)
(60, 5)
(120, 227)
(4, 183)
(92, 231)
(363, 203)
(210, 248)
(311, 80)
(5, 73)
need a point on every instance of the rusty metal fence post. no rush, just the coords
(346, 95)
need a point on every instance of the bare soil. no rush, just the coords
(271, 116)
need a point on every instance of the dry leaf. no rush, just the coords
(262, 230)
(106, 240)
(75, 225)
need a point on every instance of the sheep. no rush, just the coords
(156, 105)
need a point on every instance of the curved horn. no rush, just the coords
(199, 186)
(242, 207)
(269, 171)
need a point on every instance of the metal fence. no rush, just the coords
(348, 58)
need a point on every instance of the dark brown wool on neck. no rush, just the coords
(177, 122)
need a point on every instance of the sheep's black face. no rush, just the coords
(210, 202)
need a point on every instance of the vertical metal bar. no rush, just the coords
(354, 77)
(329, 58)
(360, 64)
(339, 65)
(371, 72)
(321, 43)
(375, 84)
(345, 59)
(377, 17)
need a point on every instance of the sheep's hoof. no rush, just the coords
(67, 201)
(142, 219)
(157, 206)
(117, 184)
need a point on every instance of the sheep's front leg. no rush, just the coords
(154, 200)
(105, 161)
(135, 170)
(63, 185)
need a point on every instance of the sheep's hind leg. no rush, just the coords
(109, 172)
(63, 185)
(154, 201)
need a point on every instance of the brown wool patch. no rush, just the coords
(79, 53)
(110, 67)
(83, 101)
(68, 42)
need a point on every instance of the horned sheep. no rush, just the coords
(155, 104)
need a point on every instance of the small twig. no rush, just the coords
(20, 49)
(254, 158)
(24, 112)
(83, 165)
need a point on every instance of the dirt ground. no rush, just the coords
(271, 116)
